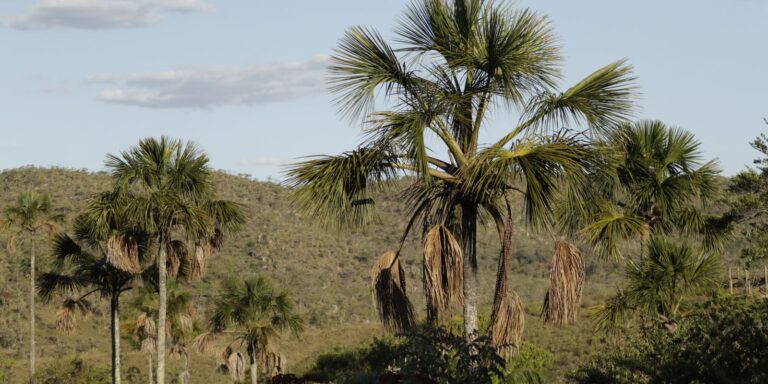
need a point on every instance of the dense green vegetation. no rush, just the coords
(580, 246)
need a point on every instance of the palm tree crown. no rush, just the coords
(656, 184)
(254, 314)
(660, 285)
(456, 61)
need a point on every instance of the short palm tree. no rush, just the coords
(658, 185)
(180, 326)
(253, 315)
(167, 188)
(660, 285)
(455, 63)
(31, 214)
(82, 268)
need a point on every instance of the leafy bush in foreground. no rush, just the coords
(74, 371)
(726, 342)
(429, 355)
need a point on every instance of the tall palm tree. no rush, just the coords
(659, 185)
(180, 326)
(455, 63)
(660, 285)
(168, 192)
(82, 268)
(253, 314)
(31, 214)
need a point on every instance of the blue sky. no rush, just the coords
(244, 79)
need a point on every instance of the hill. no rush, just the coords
(326, 272)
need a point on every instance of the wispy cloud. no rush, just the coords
(212, 87)
(98, 14)
(262, 161)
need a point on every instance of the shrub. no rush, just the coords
(725, 342)
(429, 355)
(74, 371)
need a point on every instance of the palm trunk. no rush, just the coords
(184, 377)
(32, 312)
(162, 308)
(253, 367)
(151, 370)
(115, 311)
(468, 242)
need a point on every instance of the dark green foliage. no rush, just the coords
(726, 342)
(74, 371)
(428, 355)
(661, 285)
(751, 188)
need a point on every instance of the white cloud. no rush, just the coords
(180, 5)
(99, 14)
(262, 161)
(212, 87)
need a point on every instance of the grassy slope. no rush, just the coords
(326, 272)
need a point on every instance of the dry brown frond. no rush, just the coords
(443, 268)
(236, 366)
(507, 316)
(145, 327)
(272, 362)
(186, 322)
(204, 341)
(65, 314)
(123, 253)
(507, 324)
(148, 346)
(199, 262)
(389, 293)
(566, 281)
(176, 253)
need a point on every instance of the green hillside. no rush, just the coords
(328, 273)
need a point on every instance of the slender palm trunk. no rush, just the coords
(32, 312)
(115, 312)
(469, 240)
(161, 311)
(184, 376)
(253, 367)
(151, 370)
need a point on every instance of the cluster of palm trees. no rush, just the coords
(583, 171)
(161, 220)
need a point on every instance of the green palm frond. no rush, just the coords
(540, 165)
(606, 231)
(51, 284)
(337, 190)
(252, 309)
(361, 64)
(662, 283)
(228, 216)
(519, 54)
(443, 27)
(602, 100)
(67, 251)
(405, 132)
(616, 312)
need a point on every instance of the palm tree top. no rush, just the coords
(456, 61)
(252, 304)
(163, 165)
(31, 212)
